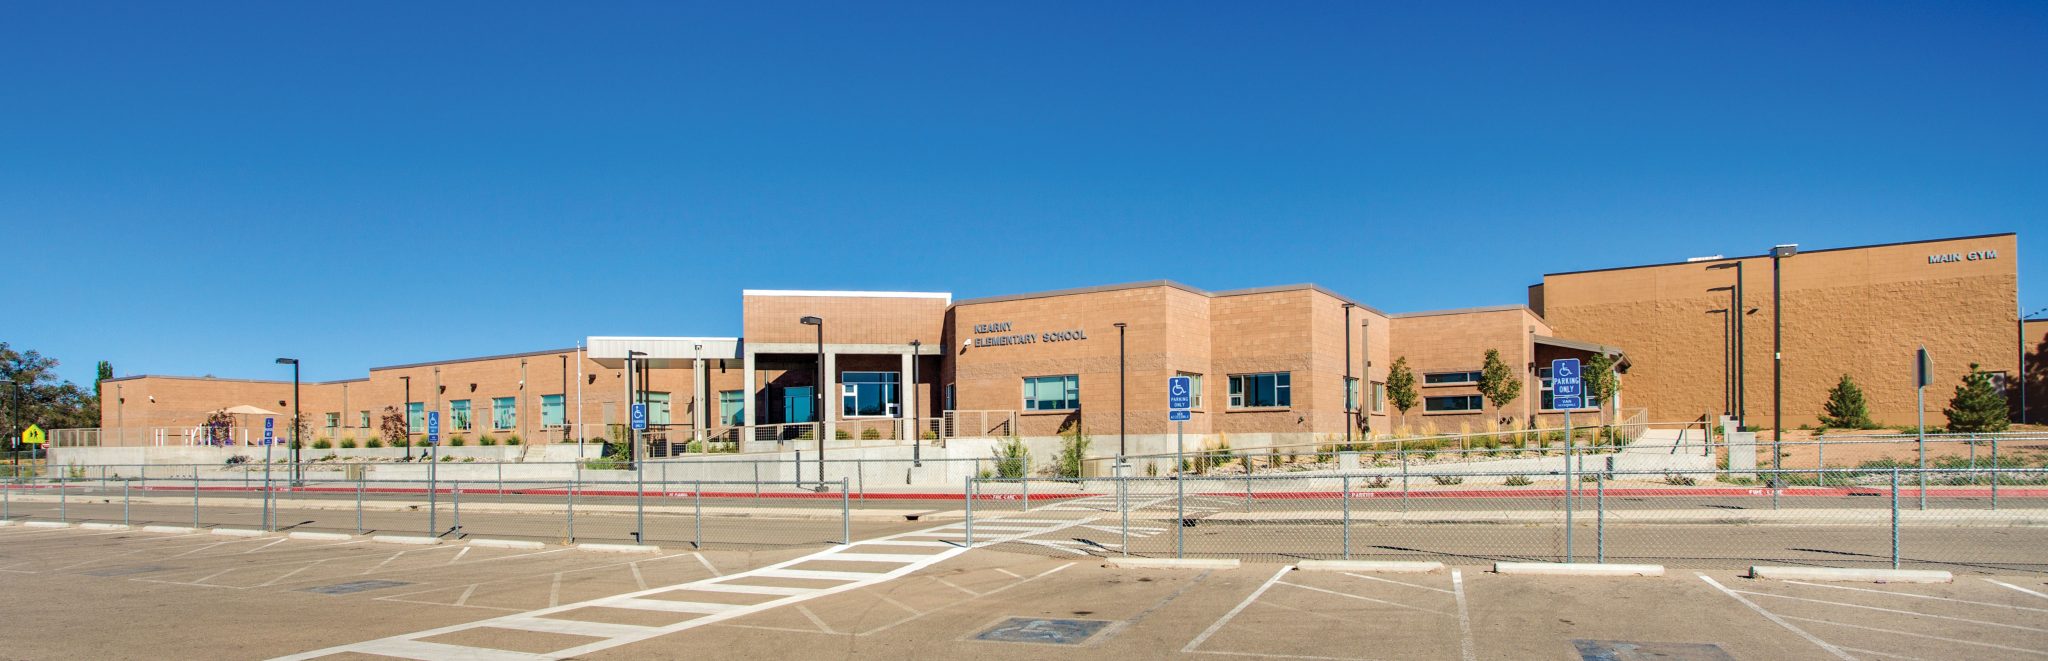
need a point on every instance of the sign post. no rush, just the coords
(1179, 398)
(36, 440)
(269, 436)
(1566, 393)
(433, 469)
(1923, 375)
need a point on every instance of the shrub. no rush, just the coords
(1679, 480)
(457, 441)
(374, 443)
(930, 435)
(447, 457)
(870, 434)
(487, 440)
(841, 434)
(512, 439)
(348, 444)
(605, 463)
(1517, 481)
(322, 444)
(1377, 482)
(1012, 458)
(1447, 480)
(1845, 406)
(1073, 451)
(1977, 406)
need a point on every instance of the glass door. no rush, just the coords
(799, 404)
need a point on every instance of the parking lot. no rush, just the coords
(911, 590)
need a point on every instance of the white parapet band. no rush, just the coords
(1853, 575)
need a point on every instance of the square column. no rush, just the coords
(747, 414)
(908, 397)
(699, 418)
(828, 395)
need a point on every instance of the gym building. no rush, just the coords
(1272, 365)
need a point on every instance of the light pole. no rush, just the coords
(1729, 366)
(916, 416)
(407, 417)
(819, 414)
(298, 472)
(1350, 411)
(1740, 406)
(1120, 399)
(1778, 252)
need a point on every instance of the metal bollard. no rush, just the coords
(1895, 518)
(967, 495)
(1346, 496)
(845, 514)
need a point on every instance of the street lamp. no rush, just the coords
(1729, 366)
(1778, 252)
(407, 417)
(298, 472)
(820, 388)
(1120, 400)
(916, 417)
(1350, 412)
(1740, 343)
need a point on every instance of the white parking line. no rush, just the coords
(1388, 580)
(1227, 617)
(1464, 616)
(1780, 621)
(2015, 587)
(1894, 610)
(1353, 596)
(1918, 596)
(1917, 635)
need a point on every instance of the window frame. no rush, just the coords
(891, 393)
(508, 414)
(1478, 401)
(1472, 377)
(1377, 396)
(561, 410)
(1070, 389)
(738, 414)
(1543, 396)
(1244, 387)
(461, 414)
(1195, 388)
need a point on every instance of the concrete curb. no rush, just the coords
(1171, 563)
(328, 536)
(1382, 567)
(46, 524)
(106, 526)
(170, 529)
(6, 522)
(619, 548)
(240, 532)
(1575, 569)
(507, 544)
(1853, 575)
(406, 539)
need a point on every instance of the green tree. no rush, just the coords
(1401, 387)
(102, 373)
(1977, 406)
(1845, 407)
(1498, 383)
(1602, 385)
(30, 393)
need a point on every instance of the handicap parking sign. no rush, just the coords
(639, 417)
(269, 425)
(1566, 388)
(433, 427)
(1180, 395)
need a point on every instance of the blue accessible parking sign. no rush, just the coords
(433, 428)
(269, 429)
(639, 417)
(1180, 396)
(1566, 390)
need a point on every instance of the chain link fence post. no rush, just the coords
(1346, 496)
(1600, 513)
(455, 495)
(125, 502)
(1404, 480)
(574, 482)
(967, 495)
(361, 479)
(1180, 517)
(1994, 473)
(1895, 517)
(1027, 492)
(845, 513)
(699, 491)
(1123, 508)
(63, 499)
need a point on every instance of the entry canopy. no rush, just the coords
(1620, 359)
(245, 409)
(662, 352)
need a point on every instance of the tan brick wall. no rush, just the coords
(1457, 342)
(848, 319)
(1857, 311)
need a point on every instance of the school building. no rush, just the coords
(1272, 365)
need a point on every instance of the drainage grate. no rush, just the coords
(1626, 650)
(1043, 631)
(125, 571)
(353, 587)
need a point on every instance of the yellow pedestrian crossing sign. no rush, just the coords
(34, 436)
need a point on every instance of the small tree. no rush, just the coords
(1845, 407)
(1977, 406)
(1073, 450)
(1498, 383)
(219, 428)
(391, 425)
(1602, 385)
(1401, 387)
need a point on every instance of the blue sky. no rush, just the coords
(193, 189)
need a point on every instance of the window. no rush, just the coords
(415, 417)
(1454, 403)
(1999, 380)
(1194, 384)
(868, 394)
(333, 420)
(732, 407)
(551, 410)
(1350, 393)
(657, 408)
(1052, 393)
(1543, 398)
(1267, 390)
(949, 397)
(1379, 397)
(458, 414)
(1448, 378)
(363, 421)
(504, 412)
